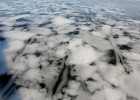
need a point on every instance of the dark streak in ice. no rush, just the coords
(2, 39)
(37, 54)
(126, 33)
(22, 20)
(90, 79)
(1, 25)
(60, 78)
(58, 81)
(112, 58)
(24, 26)
(44, 24)
(42, 85)
(116, 36)
(4, 79)
(124, 47)
(7, 86)
(73, 33)
(93, 63)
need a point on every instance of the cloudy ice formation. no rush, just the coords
(68, 50)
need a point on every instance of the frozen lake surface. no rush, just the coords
(69, 50)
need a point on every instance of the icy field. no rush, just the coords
(69, 50)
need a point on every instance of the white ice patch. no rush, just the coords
(58, 21)
(106, 29)
(82, 55)
(17, 35)
(27, 94)
(111, 22)
(14, 45)
(51, 44)
(121, 26)
(123, 40)
(73, 88)
(97, 96)
(18, 16)
(131, 84)
(131, 55)
(134, 64)
(33, 61)
(83, 96)
(98, 34)
(66, 29)
(84, 27)
(6, 28)
(114, 94)
(60, 52)
(74, 43)
(93, 86)
(33, 48)
(19, 68)
(115, 31)
(84, 71)
(110, 73)
(38, 30)
(95, 41)
(32, 75)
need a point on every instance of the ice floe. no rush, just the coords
(68, 50)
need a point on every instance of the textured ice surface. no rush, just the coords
(69, 50)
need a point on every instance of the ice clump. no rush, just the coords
(17, 35)
(131, 83)
(59, 21)
(82, 55)
(114, 94)
(66, 29)
(106, 29)
(95, 41)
